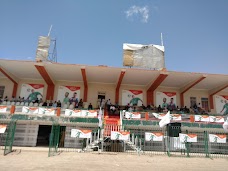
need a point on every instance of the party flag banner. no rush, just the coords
(154, 136)
(216, 138)
(202, 118)
(132, 115)
(30, 110)
(120, 135)
(187, 138)
(81, 133)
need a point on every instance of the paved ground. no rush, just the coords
(34, 160)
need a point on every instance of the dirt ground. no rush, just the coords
(39, 160)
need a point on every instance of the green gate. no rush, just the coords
(10, 131)
(54, 140)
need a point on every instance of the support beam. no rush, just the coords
(188, 87)
(154, 86)
(122, 73)
(49, 82)
(85, 84)
(213, 92)
(15, 84)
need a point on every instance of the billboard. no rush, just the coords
(32, 92)
(132, 97)
(70, 89)
(160, 96)
(221, 101)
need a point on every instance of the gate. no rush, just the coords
(54, 140)
(10, 131)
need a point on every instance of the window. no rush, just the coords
(2, 88)
(192, 101)
(204, 104)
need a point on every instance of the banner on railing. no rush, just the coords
(202, 118)
(3, 109)
(120, 135)
(176, 117)
(69, 112)
(2, 129)
(217, 138)
(159, 115)
(132, 115)
(89, 113)
(81, 133)
(30, 110)
(46, 111)
(81, 113)
(217, 119)
(188, 138)
(154, 136)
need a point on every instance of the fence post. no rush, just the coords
(206, 144)
(187, 145)
(168, 140)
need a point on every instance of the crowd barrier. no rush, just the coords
(173, 141)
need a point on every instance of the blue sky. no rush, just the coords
(92, 32)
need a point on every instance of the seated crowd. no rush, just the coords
(73, 103)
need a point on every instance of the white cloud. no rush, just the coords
(136, 10)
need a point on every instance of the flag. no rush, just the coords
(100, 118)
(165, 120)
(225, 125)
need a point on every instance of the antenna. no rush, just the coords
(49, 31)
(161, 39)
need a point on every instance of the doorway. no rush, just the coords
(101, 99)
(2, 88)
(43, 135)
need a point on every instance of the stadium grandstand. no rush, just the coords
(99, 108)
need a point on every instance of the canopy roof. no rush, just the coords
(110, 75)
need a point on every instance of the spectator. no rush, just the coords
(127, 107)
(112, 108)
(13, 99)
(159, 109)
(90, 107)
(143, 107)
(6, 98)
(50, 104)
(58, 103)
(195, 109)
(44, 104)
(54, 104)
(80, 104)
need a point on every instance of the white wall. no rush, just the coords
(94, 88)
